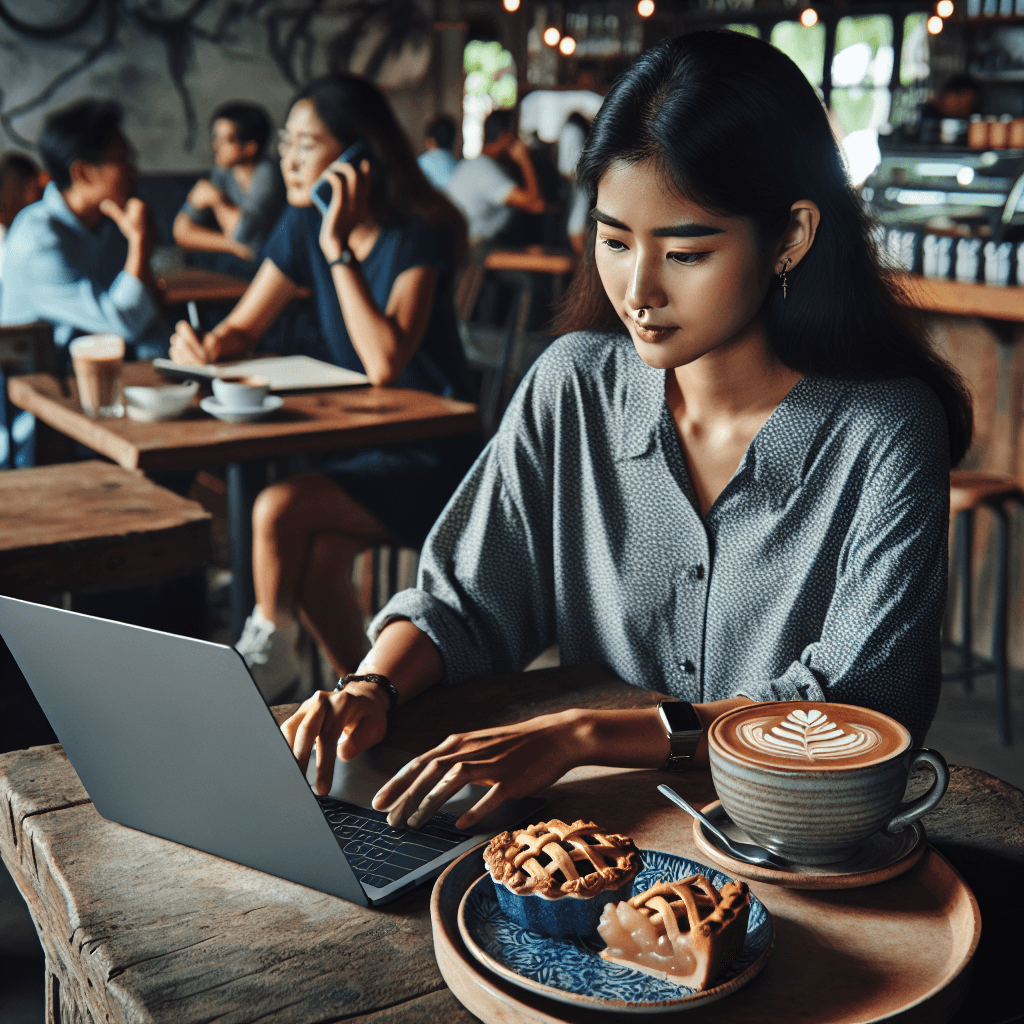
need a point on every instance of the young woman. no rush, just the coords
(730, 484)
(380, 264)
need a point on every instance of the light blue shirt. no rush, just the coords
(56, 269)
(437, 165)
(479, 188)
(819, 573)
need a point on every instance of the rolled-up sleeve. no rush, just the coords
(879, 644)
(485, 594)
(61, 291)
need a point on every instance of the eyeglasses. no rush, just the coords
(303, 145)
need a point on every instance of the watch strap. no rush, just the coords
(346, 259)
(372, 677)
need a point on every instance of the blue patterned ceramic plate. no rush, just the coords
(573, 972)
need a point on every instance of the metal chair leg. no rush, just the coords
(965, 542)
(999, 625)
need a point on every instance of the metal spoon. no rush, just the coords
(741, 851)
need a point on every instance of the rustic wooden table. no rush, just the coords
(309, 422)
(90, 526)
(137, 929)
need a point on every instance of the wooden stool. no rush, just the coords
(90, 526)
(969, 490)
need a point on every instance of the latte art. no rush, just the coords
(808, 735)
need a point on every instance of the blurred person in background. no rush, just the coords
(484, 191)
(439, 161)
(79, 258)
(235, 209)
(380, 264)
(21, 185)
(571, 140)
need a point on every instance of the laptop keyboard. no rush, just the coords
(380, 854)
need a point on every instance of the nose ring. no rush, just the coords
(641, 314)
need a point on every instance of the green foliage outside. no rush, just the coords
(490, 71)
(747, 30)
(804, 46)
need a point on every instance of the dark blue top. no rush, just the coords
(438, 364)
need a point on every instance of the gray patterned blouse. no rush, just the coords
(818, 574)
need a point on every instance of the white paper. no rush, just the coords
(285, 373)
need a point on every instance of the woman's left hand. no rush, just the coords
(514, 760)
(350, 192)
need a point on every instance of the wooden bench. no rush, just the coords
(89, 526)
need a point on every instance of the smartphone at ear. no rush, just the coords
(321, 192)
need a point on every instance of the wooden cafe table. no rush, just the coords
(309, 422)
(139, 929)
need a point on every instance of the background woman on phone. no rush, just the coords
(380, 263)
(729, 484)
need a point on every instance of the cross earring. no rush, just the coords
(783, 278)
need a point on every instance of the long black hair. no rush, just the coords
(354, 110)
(738, 129)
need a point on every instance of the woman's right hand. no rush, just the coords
(348, 721)
(186, 347)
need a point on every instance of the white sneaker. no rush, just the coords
(271, 656)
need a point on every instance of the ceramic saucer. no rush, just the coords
(882, 857)
(270, 404)
(573, 972)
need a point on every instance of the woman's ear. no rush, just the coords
(796, 240)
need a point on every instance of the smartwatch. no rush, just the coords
(346, 259)
(684, 732)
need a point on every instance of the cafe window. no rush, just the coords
(861, 72)
(490, 85)
(804, 46)
(747, 30)
(915, 66)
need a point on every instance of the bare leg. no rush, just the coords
(327, 601)
(306, 524)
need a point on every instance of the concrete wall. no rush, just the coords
(255, 50)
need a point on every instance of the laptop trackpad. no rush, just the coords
(357, 782)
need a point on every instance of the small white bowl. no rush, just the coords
(165, 402)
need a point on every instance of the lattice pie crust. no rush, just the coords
(553, 859)
(688, 931)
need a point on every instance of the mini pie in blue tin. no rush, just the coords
(555, 878)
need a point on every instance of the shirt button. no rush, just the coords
(699, 572)
(688, 667)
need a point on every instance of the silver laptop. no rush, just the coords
(170, 736)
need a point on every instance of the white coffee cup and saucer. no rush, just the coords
(241, 399)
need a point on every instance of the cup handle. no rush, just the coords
(911, 812)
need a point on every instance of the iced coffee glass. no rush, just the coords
(98, 360)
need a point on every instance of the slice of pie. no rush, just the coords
(688, 931)
(554, 878)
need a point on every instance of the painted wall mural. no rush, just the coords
(171, 62)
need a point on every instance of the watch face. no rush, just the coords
(681, 716)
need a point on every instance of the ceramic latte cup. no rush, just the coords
(813, 781)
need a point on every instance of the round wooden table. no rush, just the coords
(136, 928)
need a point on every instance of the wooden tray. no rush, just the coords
(900, 950)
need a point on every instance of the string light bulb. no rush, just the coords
(645, 8)
(552, 35)
(944, 8)
(567, 46)
(934, 25)
(510, 5)
(809, 17)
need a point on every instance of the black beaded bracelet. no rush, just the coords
(372, 677)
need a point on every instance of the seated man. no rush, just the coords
(439, 162)
(79, 258)
(235, 209)
(21, 184)
(484, 192)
